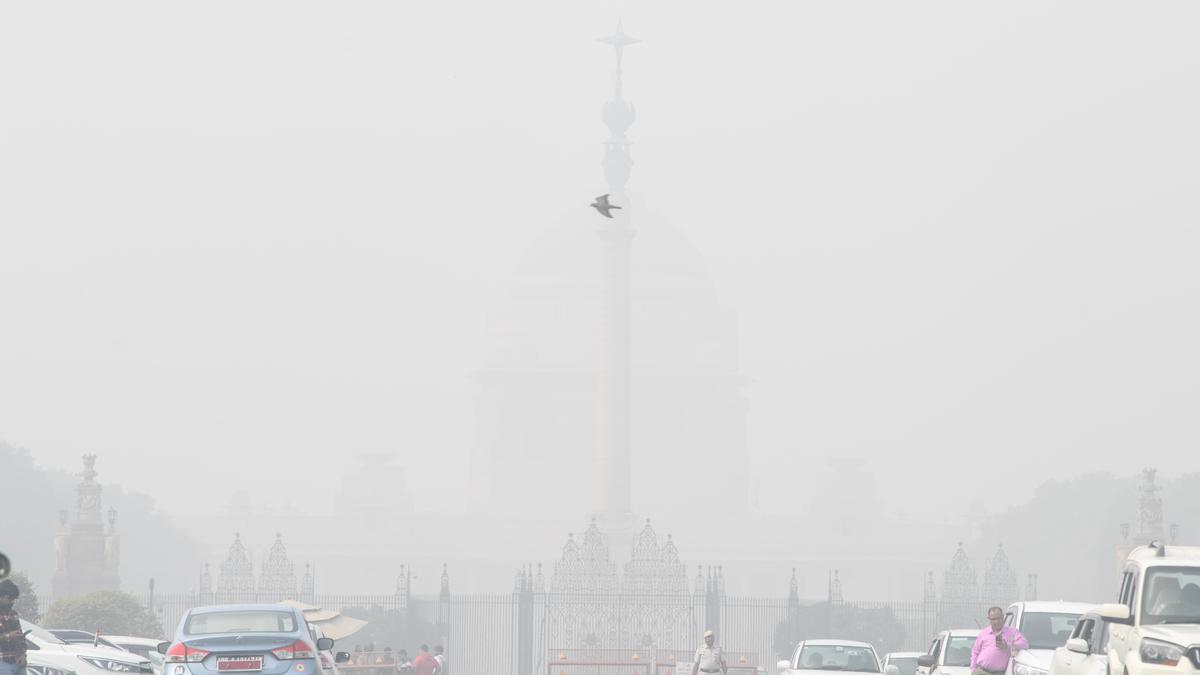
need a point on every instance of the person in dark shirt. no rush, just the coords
(12, 638)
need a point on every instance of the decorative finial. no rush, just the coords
(89, 468)
(619, 40)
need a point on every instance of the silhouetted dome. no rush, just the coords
(551, 316)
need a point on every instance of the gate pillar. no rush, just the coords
(523, 590)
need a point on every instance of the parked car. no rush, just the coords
(904, 663)
(1047, 626)
(815, 656)
(81, 659)
(1086, 651)
(1155, 626)
(949, 653)
(226, 639)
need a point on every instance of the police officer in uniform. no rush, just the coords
(708, 657)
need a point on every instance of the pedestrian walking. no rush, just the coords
(425, 664)
(404, 665)
(996, 645)
(439, 655)
(12, 637)
(709, 658)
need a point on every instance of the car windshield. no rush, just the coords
(906, 664)
(1048, 630)
(838, 657)
(240, 621)
(1171, 595)
(958, 651)
(41, 633)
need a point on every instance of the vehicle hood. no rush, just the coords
(1035, 658)
(1182, 634)
(101, 653)
(55, 659)
(954, 670)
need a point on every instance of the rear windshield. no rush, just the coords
(247, 621)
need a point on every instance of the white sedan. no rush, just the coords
(49, 652)
(813, 657)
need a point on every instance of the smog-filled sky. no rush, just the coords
(242, 242)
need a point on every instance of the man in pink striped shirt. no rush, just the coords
(996, 645)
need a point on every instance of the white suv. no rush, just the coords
(1047, 626)
(1154, 629)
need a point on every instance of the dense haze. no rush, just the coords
(241, 242)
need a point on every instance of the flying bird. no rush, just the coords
(601, 204)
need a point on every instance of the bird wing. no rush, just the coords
(602, 199)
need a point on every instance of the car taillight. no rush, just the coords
(181, 653)
(297, 650)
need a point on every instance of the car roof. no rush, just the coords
(1058, 606)
(839, 643)
(1175, 555)
(259, 607)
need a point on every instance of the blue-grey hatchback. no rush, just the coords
(243, 639)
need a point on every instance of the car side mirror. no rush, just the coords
(341, 657)
(1115, 613)
(1078, 645)
(324, 644)
(925, 661)
(162, 647)
(891, 670)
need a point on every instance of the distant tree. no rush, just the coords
(398, 629)
(27, 605)
(109, 612)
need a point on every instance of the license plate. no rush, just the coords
(236, 664)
